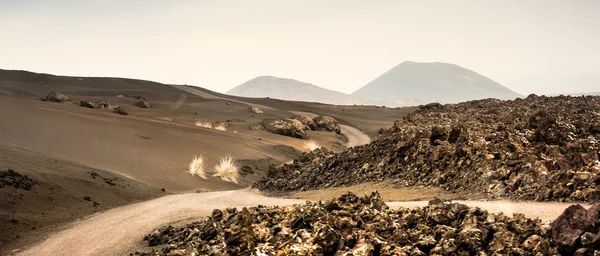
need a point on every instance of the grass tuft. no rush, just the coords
(197, 167)
(206, 124)
(227, 169)
(311, 145)
(220, 127)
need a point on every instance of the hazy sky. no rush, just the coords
(540, 46)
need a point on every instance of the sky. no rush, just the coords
(533, 46)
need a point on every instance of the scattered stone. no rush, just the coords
(539, 148)
(11, 178)
(96, 204)
(89, 104)
(257, 127)
(577, 230)
(55, 96)
(351, 225)
(143, 103)
(288, 127)
(256, 110)
(308, 123)
(87, 198)
(328, 123)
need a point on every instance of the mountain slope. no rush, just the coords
(433, 82)
(290, 89)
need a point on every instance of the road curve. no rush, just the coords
(121, 230)
(355, 136)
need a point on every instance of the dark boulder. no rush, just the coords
(328, 123)
(308, 123)
(288, 127)
(55, 96)
(143, 103)
(89, 104)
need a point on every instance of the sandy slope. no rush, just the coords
(58, 145)
(121, 230)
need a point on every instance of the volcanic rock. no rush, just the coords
(309, 124)
(89, 104)
(288, 127)
(256, 110)
(11, 178)
(351, 225)
(539, 148)
(577, 230)
(143, 103)
(328, 123)
(55, 96)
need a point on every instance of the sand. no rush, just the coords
(58, 145)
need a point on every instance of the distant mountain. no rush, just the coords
(433, 82)
(290, 89)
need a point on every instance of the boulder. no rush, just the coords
(143, 103)
(114, 108)
(89, 104)
(288, 127)
(55, 96)
(256, 110)
(328, 123)
(576, 229)
(308, 123)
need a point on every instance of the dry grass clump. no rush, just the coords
(227, 169)
(196, 167)
(220, 127)
(311, 145)
(205, 124)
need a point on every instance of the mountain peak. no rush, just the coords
(433, 82)
(289, 89)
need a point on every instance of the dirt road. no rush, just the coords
(120, 231)
(355, 136)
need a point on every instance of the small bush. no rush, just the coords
(311, 145)
(206, 124)
(197, 167)
(227, 169)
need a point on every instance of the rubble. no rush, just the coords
(351, 225)
(539, 148)
(328, 123)
(287, 127)
(55, 96)
(308, 123)
(11, 178)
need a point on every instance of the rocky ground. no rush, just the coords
(350, 225)
(11, 178)
(538, 148)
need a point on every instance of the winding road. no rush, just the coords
(120, 231)
(355, 136)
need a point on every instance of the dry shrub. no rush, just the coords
(196, 167)
(311, 145)
(205, 124)
(227, 169)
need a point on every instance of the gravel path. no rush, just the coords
(120, 231)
